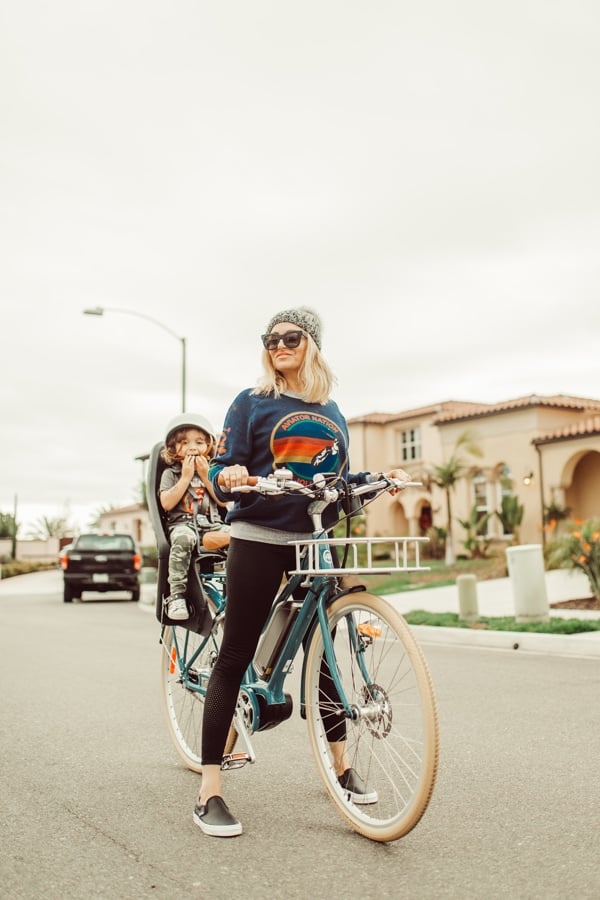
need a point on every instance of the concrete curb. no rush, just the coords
(586, 644)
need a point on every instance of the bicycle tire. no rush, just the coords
(393, 743)
(183, 707)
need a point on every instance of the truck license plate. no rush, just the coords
(99, 577)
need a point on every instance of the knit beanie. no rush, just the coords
(302, 316)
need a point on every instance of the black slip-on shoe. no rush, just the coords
(356, 789)
(214, 818)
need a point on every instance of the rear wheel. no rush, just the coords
(392, 731)
(187, 660)
(67, 593)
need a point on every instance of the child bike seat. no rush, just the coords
(200, 618)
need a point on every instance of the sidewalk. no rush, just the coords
(495, 598)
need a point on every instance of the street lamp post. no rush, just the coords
(100, 310)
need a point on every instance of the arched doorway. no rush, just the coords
(425, 518)
(582, 495)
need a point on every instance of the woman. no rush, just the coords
(287, 420)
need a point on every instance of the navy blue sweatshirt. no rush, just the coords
(265, 433)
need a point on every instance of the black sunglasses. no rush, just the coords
(291, 340)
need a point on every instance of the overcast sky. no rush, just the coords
(425, 175)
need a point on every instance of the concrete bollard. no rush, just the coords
(528, 577)
(468, 609)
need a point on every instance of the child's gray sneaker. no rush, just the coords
(177, 607)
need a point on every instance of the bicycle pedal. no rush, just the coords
(234, 761)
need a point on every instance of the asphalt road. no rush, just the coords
(96, 804)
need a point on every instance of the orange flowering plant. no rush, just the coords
(579, 548)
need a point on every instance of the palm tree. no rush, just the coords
(446, 477)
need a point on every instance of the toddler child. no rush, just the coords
(187, 495)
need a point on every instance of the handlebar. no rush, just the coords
(282, 482)
(322, 492)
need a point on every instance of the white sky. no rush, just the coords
(425, 175)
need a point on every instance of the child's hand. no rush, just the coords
(187, 466)
(202, 467)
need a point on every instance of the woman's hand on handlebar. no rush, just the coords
(232, 477)
(398, 475)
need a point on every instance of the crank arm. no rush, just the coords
(236, 760)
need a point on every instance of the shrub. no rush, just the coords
(477, 541)
(150, 556)
(511, 516)
(579, 548)
(12, 568)
(555, 513)
(436, 548)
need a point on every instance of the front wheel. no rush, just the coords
(391, 728)
(186, 662)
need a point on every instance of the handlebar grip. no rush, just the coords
(252, 480)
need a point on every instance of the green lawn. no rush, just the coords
(505, 623)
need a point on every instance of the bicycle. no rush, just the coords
(383, 688)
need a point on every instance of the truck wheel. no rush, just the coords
(135, 595)
(68, 594)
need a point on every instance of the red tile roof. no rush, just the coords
(455, 410)
(556, 401)
(448, 406)
(583, 428)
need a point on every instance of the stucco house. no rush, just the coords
(133, 520)
(542, 449)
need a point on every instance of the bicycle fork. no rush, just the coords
(360, 636)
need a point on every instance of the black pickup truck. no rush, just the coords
(101, 562)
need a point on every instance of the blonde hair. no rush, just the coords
(316, 377)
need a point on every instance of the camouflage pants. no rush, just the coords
(183, 540)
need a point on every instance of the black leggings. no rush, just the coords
(254, 573)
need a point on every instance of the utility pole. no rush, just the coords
(14, 534)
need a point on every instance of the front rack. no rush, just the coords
(308, 557)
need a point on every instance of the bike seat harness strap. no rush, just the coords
(206, 508)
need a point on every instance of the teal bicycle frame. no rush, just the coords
(268, 695)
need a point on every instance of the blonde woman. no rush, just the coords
(288, 420)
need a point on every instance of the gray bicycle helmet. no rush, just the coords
(190, 420)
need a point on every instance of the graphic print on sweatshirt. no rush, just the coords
(307, 443)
